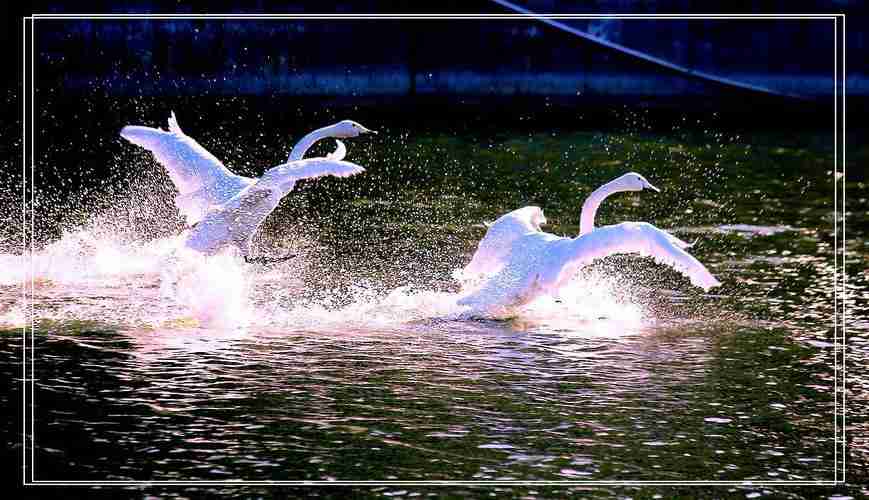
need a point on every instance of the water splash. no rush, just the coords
(213, 289)
(591, 297)
(127, 266)
(159, 283)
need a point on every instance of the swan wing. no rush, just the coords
(319, 167)
(285, 175)
(189, 165)
(235, 221)
(248, 209)
(628, 237)
(495, 247)
(201, 179)
(679, 242)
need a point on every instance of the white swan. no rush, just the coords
(235, 221)
(493, 250)
(540, 263)
(201, 179)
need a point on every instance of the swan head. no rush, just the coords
(633, 181)
(349, 128)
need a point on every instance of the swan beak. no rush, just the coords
(650, 186)
(368, 131)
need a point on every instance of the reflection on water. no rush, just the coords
(437, 400)
(353, 360)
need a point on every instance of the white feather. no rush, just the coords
(339, 153)
(236, 221)
(494, 249)
(541, 263)
(201, 179)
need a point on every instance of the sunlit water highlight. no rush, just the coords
(160, 283)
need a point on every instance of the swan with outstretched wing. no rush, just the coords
(201, 179)
(494, 249)
(539, 263)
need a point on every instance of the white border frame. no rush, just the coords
(29, 22)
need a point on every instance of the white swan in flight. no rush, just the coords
(234, 222)
(493, 250)
(201, 179)
(540, 263)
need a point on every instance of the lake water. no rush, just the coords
(353, 362)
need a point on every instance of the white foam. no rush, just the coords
(98, 275)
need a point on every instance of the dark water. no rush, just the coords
(350, 363)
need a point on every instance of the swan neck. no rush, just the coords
(589, 208)
(306, 142)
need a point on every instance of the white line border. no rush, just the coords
(31, 21)
(835, 247)
(433, 16)
(24, 82)
(844, 273)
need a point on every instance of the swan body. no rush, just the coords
(541, 263)
(494, 248)
(234, 222)
(201, 179)
(520, 262)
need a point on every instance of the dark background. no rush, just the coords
(459, 58)
(262, 83)
(225, 80)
